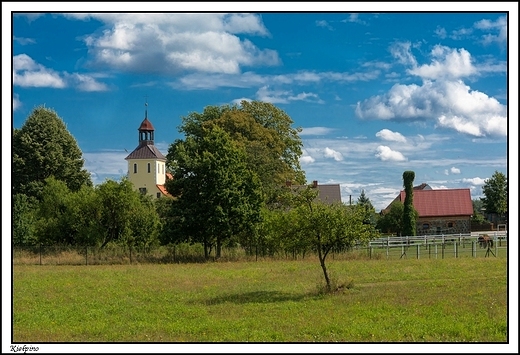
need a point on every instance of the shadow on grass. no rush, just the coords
(259, 297)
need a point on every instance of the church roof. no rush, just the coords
(146, 151)
(146, 125)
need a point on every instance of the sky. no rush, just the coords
(375, 94)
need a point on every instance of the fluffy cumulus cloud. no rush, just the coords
(455, 170)
(171, 43)
(28, 73)
(475, 181)
(306, 159)
(446, 63)
(331, 153)
(451, 104)
(442, 97)
(388, 135)
(385, 153)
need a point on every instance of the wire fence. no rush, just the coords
(418, 247)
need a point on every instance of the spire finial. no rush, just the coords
(146, 107)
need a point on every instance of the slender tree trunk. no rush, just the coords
(219, 249)
(206, 253)
(322, 257)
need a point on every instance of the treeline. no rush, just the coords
(229, 175)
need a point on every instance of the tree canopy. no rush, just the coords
(272, 146)
(495, 191)
(217, 196)
(43, 147)
(323, 227)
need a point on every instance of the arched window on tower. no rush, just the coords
(135, 168)
(148, 167)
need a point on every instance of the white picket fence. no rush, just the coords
(439, 246)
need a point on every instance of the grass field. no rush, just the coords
(427, 300)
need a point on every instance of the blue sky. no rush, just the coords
(375, 93)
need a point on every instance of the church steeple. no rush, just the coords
(146, 130)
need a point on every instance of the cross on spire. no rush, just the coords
(146, 106)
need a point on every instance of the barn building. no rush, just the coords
(442, 211)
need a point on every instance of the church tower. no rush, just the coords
(146, 164)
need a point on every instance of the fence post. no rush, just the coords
(40, 253)
(443, 247)
(473, 249)
(86, 254)
(418, 247)
(455, 249)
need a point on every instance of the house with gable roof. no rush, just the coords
(327, 193)
(442, 211)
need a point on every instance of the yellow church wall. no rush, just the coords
(143, 178)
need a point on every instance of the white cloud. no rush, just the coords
(87, 83)
(388, 135)
(324, 24)
(384, 153)
(446, 172)
(16, 102)
(440, 32)
(451, 104)
(28, 73)
(474, 181)
(455, 170)
(249, 79)
(169, 42)
(331, 153)
(316, 131)
(500, 26)
(401, 51)
(446, 63)
(307, 159)
(354, 18)
(284, 96)
(24, 41)
(106, 164)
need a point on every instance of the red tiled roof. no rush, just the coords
(146, 125)
(146, 151)
(444, 202)
(163, 190)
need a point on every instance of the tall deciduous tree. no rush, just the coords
(495, 191)
(119, 211)
(265, 132)
(409, 227)
(217, 195)
(43, 147)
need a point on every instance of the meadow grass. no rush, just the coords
(427, 300)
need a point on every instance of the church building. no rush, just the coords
(146, 164)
